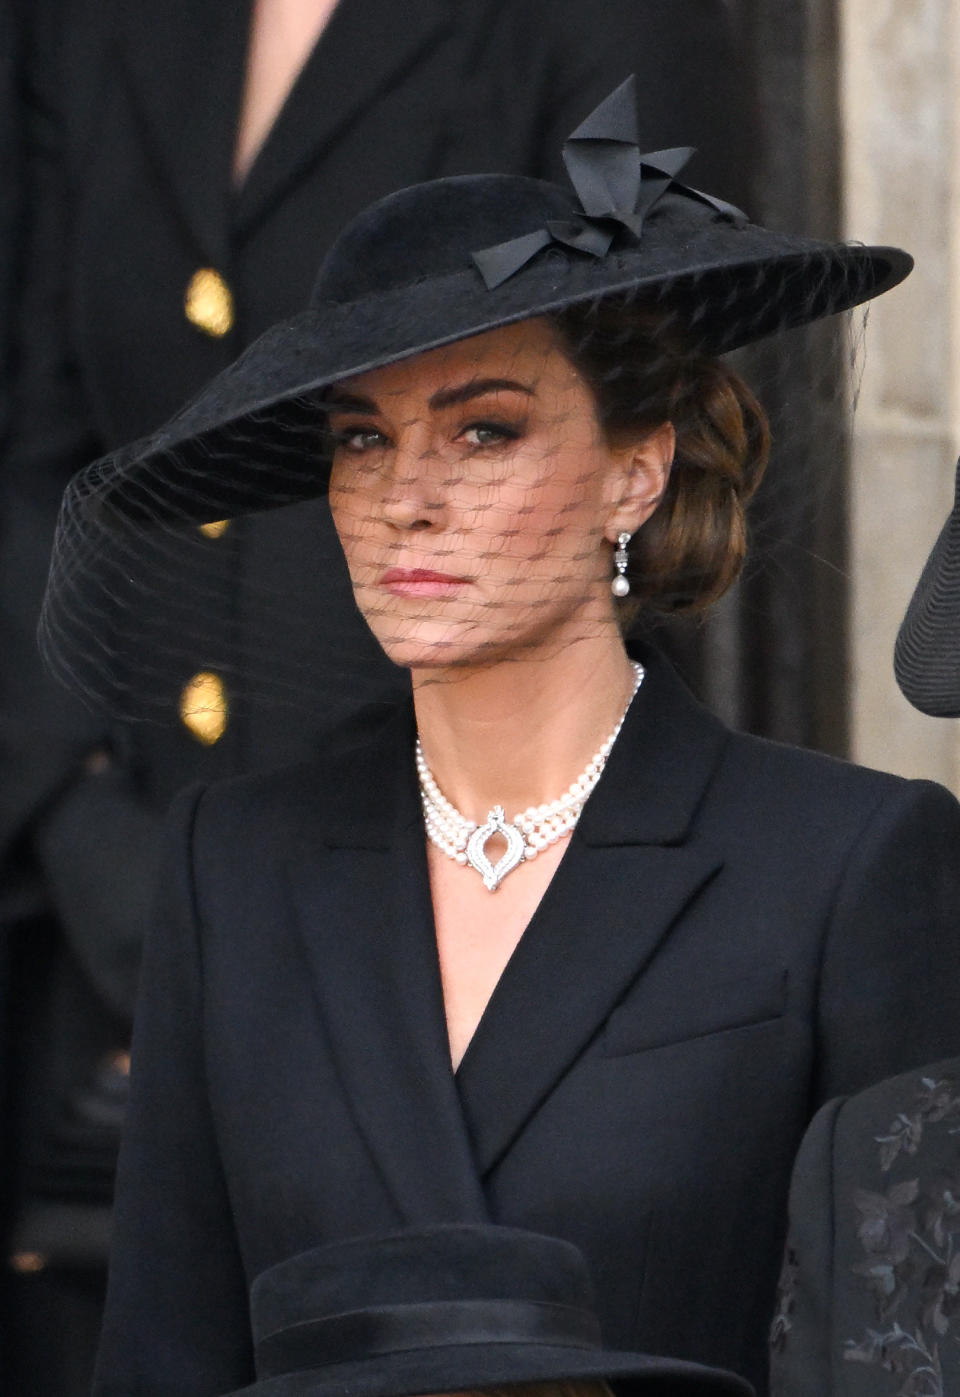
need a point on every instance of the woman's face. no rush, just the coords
(476, 499)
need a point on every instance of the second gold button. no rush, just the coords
(203, 707)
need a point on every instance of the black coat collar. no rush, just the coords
(186, 64)
(366, 923)
(632, 866)
(659, 768)
(185, 67)
(366, 46)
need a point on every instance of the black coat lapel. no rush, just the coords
(367, 924)
(186, 63)
(366, 45)
(630, 870)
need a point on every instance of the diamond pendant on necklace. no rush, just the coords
(493, 874)
(527, 833)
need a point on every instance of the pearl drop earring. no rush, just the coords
(620, 586)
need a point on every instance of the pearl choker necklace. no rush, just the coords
(527, 833)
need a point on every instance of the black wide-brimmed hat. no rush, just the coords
(445, 260)
(446, 1309)
(926, 658)
(132, 582)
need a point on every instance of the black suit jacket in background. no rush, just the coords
(10, 173)
(737, 932)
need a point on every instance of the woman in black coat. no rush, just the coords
(161, 243)
(699, 941)
(134, 190)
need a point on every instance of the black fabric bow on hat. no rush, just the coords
(617, 186)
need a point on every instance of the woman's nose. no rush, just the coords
(414, 496)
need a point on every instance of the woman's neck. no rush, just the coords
(518, 733)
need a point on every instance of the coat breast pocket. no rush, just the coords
(695, 1007)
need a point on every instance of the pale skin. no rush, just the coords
(484, 463)
(283, 34)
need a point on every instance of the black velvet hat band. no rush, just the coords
(375, 1333)
(442, 1309)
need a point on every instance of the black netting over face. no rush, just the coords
(478, 483)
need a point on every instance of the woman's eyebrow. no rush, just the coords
(349, 402)
(476, 388)
(444, 397)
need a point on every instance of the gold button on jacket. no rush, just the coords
(203, 707)
(208, 303)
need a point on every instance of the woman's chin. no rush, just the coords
(430, 653)
(438, 646)
(481, 636)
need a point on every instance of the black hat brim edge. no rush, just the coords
(157, 477)
(469, 1368)
(926, 657)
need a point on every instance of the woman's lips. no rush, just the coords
(420, 582)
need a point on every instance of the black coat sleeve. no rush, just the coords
(801, 1335)
(176, 1315)
(889, 994)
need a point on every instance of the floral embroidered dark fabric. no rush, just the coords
(869, 1298)
(910, 1236)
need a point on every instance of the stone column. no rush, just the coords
(900, 116)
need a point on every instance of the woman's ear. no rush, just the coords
(641, 481)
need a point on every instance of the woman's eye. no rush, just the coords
(358, 439)
(489, 434)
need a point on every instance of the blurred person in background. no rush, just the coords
(10, 183)
(187, 170)
(10, 177)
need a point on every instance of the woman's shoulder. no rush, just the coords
(760, 780)
(828, 812)
(838, 787)
(768, 760)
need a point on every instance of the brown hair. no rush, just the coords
(643, 374)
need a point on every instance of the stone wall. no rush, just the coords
(900, 117)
